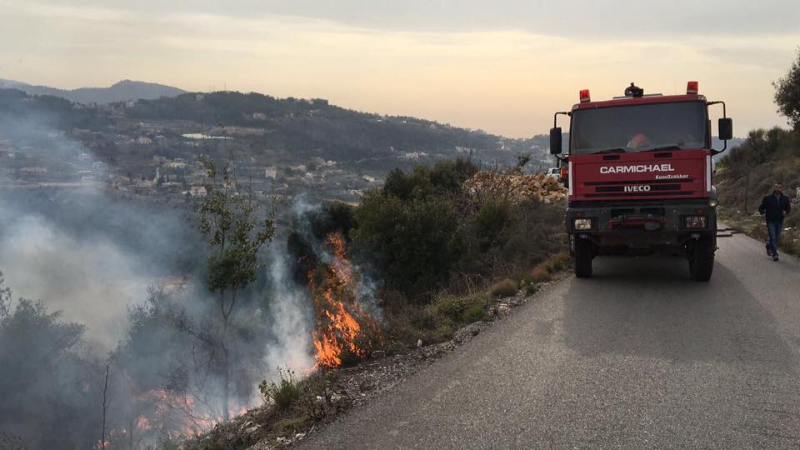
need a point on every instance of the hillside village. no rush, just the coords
(151, 148)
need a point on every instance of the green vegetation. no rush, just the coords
(315, 127)
(424, 234)
(787, 94)
(230, 219)
(283, 393)
(443, 256)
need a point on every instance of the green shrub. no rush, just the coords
(448, 176)
(473, 313)
(490, 222)
(450, 306)
(413, 243)
(460, 309)
(505, 288)
(284, 393)
(443, 333)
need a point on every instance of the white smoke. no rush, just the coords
(93, 282)
(290, 313)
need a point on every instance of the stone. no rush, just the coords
(465, 334)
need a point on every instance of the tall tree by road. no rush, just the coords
(236, 228)
(787, 94)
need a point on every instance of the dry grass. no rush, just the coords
(504, 288)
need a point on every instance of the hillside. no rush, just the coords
(317, 128)
(125, 90)
(747, 172)
(287, 145)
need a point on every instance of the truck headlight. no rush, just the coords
(583, 224)
(713, 203)
(695, 221)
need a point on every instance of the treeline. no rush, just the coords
(315, 125)
(17, 107)
(749, 171)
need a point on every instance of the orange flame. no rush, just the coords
(340, 318)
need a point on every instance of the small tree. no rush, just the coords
(5, 298)
(787, 94)
(229, 218)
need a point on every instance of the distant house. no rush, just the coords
(198, 191)
(259, 116)
(33, 170)
(176, 164)
(271, 172)
(144, 140)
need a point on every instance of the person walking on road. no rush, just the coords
(775, 207)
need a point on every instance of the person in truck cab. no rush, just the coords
(775, 207)
(639, 141)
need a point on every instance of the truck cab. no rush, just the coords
(639, 174)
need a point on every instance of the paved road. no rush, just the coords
(637, 357)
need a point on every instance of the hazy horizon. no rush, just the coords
(504, 70)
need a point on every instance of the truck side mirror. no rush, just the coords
(725, 129)
(555, 140)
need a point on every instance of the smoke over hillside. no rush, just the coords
(121, 286)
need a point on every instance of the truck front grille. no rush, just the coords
(655, 188)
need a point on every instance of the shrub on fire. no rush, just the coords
(345, 331)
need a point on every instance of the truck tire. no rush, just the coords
(582, 260)
(701, 259)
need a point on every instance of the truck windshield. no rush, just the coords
(638, 128)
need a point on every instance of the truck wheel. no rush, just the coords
(701, 259)
(582, 260)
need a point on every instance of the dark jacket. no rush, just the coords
(774, 207)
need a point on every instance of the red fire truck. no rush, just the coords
(639, 176)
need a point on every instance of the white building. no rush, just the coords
(198, 191)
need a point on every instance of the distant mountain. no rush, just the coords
(122, 91)
(286, 131)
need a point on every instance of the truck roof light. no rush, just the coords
(691, 87)
(584, 94)
(634, 91)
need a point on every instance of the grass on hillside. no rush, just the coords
(754, 226)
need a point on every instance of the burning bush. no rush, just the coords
(345, 330)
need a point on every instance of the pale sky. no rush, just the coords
(502, 66)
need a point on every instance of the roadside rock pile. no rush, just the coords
(515, 188)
